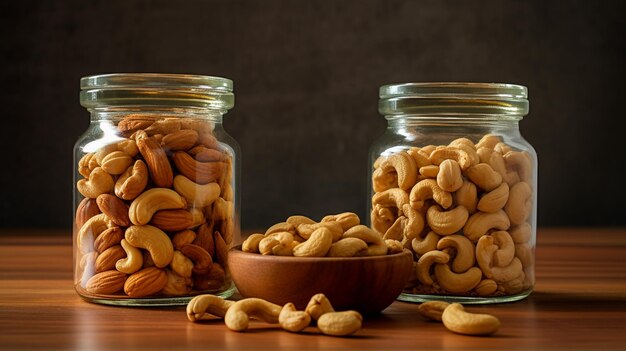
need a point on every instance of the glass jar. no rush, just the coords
(156, 193)
(455, 182)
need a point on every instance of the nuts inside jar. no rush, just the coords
(471, 204)
(149, 211)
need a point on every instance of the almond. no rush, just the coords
(172, 220)
(114, 208)
(108, 282)
(156, 159)
(213, 281)
(180, 140)
(85, 210)
(106, 260)
(164, 126)
(221, 248)
(108, 238)
(204, 154)
(199, 172)
(204, 238)
(147, 281)
(134, 122)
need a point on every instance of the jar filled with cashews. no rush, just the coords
(453, 179)
(156, 189)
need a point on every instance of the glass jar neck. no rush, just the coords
(112, 114)
(411, 124)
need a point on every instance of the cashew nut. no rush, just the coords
(150, 201)
(456, 153)
(430, 171)
(489, 141)
(521, 233)
(446, 222)
(519, 204)
(429, 243)
(393, 246)
(432, 309)
(456, 319)
(116, 162)
(479, 223)
(348, 247)
(91, 230)
(251, 244)
(486, 287)
(457, 283)
(176, 285)
(293, 320)
(391, 198)
(347, 220)
(201, 305)
(428, 189)
(426, 261)
(465, 257)
(296, 220)
(318, 305)
(502, 148)
(467, 196)
(421, 159)
(285, 248)
(382, 218)
(485, 248)
(484, 176)
(449, 177)
(200, 195)
(132, 182)
(525, 254)
(281, 227)
(181, 264)
(152, 239)
(99, 182)
(495, 199)
(508, 273)
(86, 164)
(317, 245)
(462, 141)
(340, 323)
(133, 261)
(307, 230)
(238, 315)
(520, 162)
(406, 227)
(376, 243)
(400, 167)
(506, 248)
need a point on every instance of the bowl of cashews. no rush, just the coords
(348, 262)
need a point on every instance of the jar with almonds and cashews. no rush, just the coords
(455, 182)
(156, 189)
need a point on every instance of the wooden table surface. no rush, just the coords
(579, 303)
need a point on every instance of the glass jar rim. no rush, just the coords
(156, 89)
(456, 99)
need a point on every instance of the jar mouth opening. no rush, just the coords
(454, 99)
(156, 89)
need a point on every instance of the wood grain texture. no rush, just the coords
(365, 284)
(579, 303)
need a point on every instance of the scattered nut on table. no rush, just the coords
(237, 314)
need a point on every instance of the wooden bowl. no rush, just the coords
(365, 284)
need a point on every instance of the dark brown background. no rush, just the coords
(306, 77)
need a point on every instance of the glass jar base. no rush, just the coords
(466, 300)
(153, 302)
